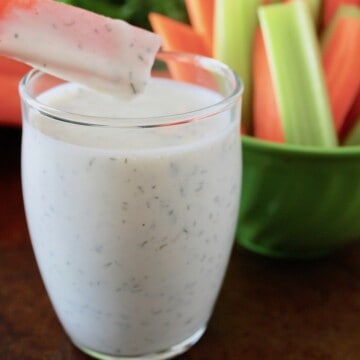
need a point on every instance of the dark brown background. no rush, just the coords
(267, 309)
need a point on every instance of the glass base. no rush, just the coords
(161, 355)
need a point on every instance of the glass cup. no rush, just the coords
(132, 213)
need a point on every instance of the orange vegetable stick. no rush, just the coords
(10, 109)
(351, 118)
(10, 66)
(78, 45)
(11, 72)
(177, 35)
(266, 115)
(330, 7)
(7, 5)
(201, 14)
(341, 61)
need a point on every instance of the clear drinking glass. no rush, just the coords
(132, 212)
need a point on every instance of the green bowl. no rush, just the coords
(298, 202)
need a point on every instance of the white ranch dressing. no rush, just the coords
(132, 230)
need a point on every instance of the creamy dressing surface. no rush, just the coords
(132, 229)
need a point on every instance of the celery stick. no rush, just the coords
(295, 64)
(315, 8)
(353, 137)
(235, 24)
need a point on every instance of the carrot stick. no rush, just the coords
(201, 14)
(266, 115)
(95, 45)
(331, 6)
(177, 35)
(6, 5)
(10, 110)
(341, 61)
(10, 66)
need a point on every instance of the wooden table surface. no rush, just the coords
(267, 309)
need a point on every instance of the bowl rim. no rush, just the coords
(263, 146)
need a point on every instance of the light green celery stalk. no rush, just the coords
(315, 8)
(234, 29)
(353, 138)
(295, 63)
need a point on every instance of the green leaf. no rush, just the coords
(235, 24)
(295, 63)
